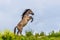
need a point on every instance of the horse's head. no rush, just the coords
(30, 12)
(27, 12)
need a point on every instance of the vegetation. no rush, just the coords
(7, 35)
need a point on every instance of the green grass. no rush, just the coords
(7, 35)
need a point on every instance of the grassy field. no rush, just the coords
(7, 35)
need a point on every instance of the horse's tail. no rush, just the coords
(15, 29)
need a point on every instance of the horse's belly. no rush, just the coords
(25, 23)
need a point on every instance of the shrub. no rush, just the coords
(7, 35)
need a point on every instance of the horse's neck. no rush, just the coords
(26, 17)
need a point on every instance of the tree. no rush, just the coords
(42, 34)
(29, 33)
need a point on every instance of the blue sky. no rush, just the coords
(46, 18)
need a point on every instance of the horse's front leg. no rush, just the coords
(31, 18)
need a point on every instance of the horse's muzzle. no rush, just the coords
(32, 13)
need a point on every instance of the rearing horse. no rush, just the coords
(25, 19)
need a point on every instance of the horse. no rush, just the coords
(25, 19)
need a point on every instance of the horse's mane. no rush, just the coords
(24, 13)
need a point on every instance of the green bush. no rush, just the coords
(7, 35)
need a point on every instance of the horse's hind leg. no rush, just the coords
(21, 30)
(18, 32)
(15, 29)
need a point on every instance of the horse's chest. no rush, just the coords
(24, 21)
